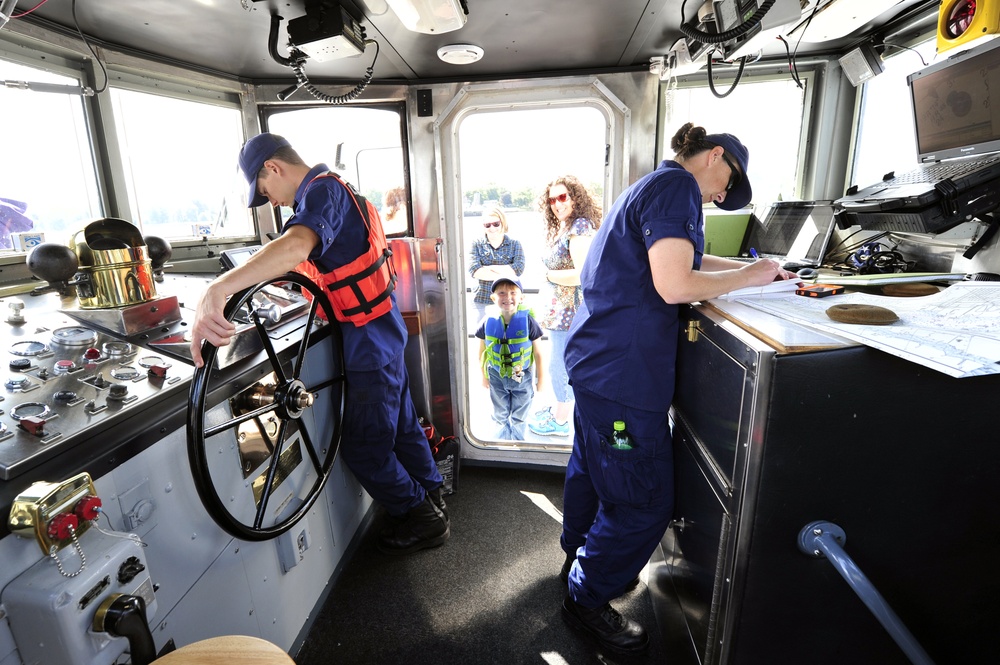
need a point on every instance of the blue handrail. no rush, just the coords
(818, 539)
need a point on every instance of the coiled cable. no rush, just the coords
(303, 82)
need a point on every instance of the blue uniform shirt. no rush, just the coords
(623, 343)
(326, 207)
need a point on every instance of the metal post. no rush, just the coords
(818, 539)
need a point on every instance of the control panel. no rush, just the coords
(64, 381)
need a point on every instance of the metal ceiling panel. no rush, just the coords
(519, 37)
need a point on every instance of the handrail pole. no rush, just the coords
(818, 539)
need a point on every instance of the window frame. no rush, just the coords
(807, 73)
(862, 105)
(69, 57)
(397, 106)
(214, 93)
(52, 63)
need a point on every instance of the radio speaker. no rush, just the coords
(961, 22)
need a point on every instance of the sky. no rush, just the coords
(528, 148)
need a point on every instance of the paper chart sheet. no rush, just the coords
(956, 331)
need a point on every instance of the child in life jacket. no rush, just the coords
(511, 361)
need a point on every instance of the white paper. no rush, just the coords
(777, 289)
(955, 331)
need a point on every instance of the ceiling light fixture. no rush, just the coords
(430, 16)
(460, 54)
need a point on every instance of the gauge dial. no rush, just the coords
(124, 373)
(152, 361)
(117, 348)
(74, 336)
(28, 348)
(27, 409)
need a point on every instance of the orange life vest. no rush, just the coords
(358, 291)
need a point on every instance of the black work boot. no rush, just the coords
(437, 498)
(568, 563)
(607, 625)
(423, 527)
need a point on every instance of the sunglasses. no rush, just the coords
(561, 198)
(734, 174)
(491, 225)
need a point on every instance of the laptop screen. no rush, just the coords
(796, 231)
(953, 111)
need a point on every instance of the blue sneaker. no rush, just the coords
(549, 427)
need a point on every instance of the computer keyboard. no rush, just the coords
(941, 171)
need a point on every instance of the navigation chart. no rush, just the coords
(955, 331)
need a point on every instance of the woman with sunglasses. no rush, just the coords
(494, 255)
(621, 353)
(572, 217)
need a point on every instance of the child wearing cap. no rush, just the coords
(511, 359)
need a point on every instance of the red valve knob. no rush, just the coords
(159, 371)
(62, 526)
(92, 354)
(88, 508)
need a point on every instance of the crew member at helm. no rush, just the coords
(336, 238)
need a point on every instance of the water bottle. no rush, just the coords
(622, 440)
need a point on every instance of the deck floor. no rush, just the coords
(491, 594)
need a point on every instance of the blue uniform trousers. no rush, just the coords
(383, 443)
(617, 504)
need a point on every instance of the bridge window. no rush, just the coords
(48, 183)
(179, 158)
(885, 140)
(363, 144)
(754, 112)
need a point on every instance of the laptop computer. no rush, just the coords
(725, 232)
(958, 144)
(793, 233)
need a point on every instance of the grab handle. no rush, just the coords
(818, 539)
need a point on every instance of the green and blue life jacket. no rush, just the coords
(508, 346)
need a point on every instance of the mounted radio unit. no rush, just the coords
(327, 32)
(731, 14)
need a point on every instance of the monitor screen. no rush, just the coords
(233, 258)
(796, 230)
(953, 111)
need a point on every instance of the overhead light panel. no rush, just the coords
(429, 16)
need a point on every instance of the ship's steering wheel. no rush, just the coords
(276, 413)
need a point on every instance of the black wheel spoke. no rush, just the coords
(313, 454)
(326, 384)
(272, 471)
(233, 422)
(304, 345)
(268, 347)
